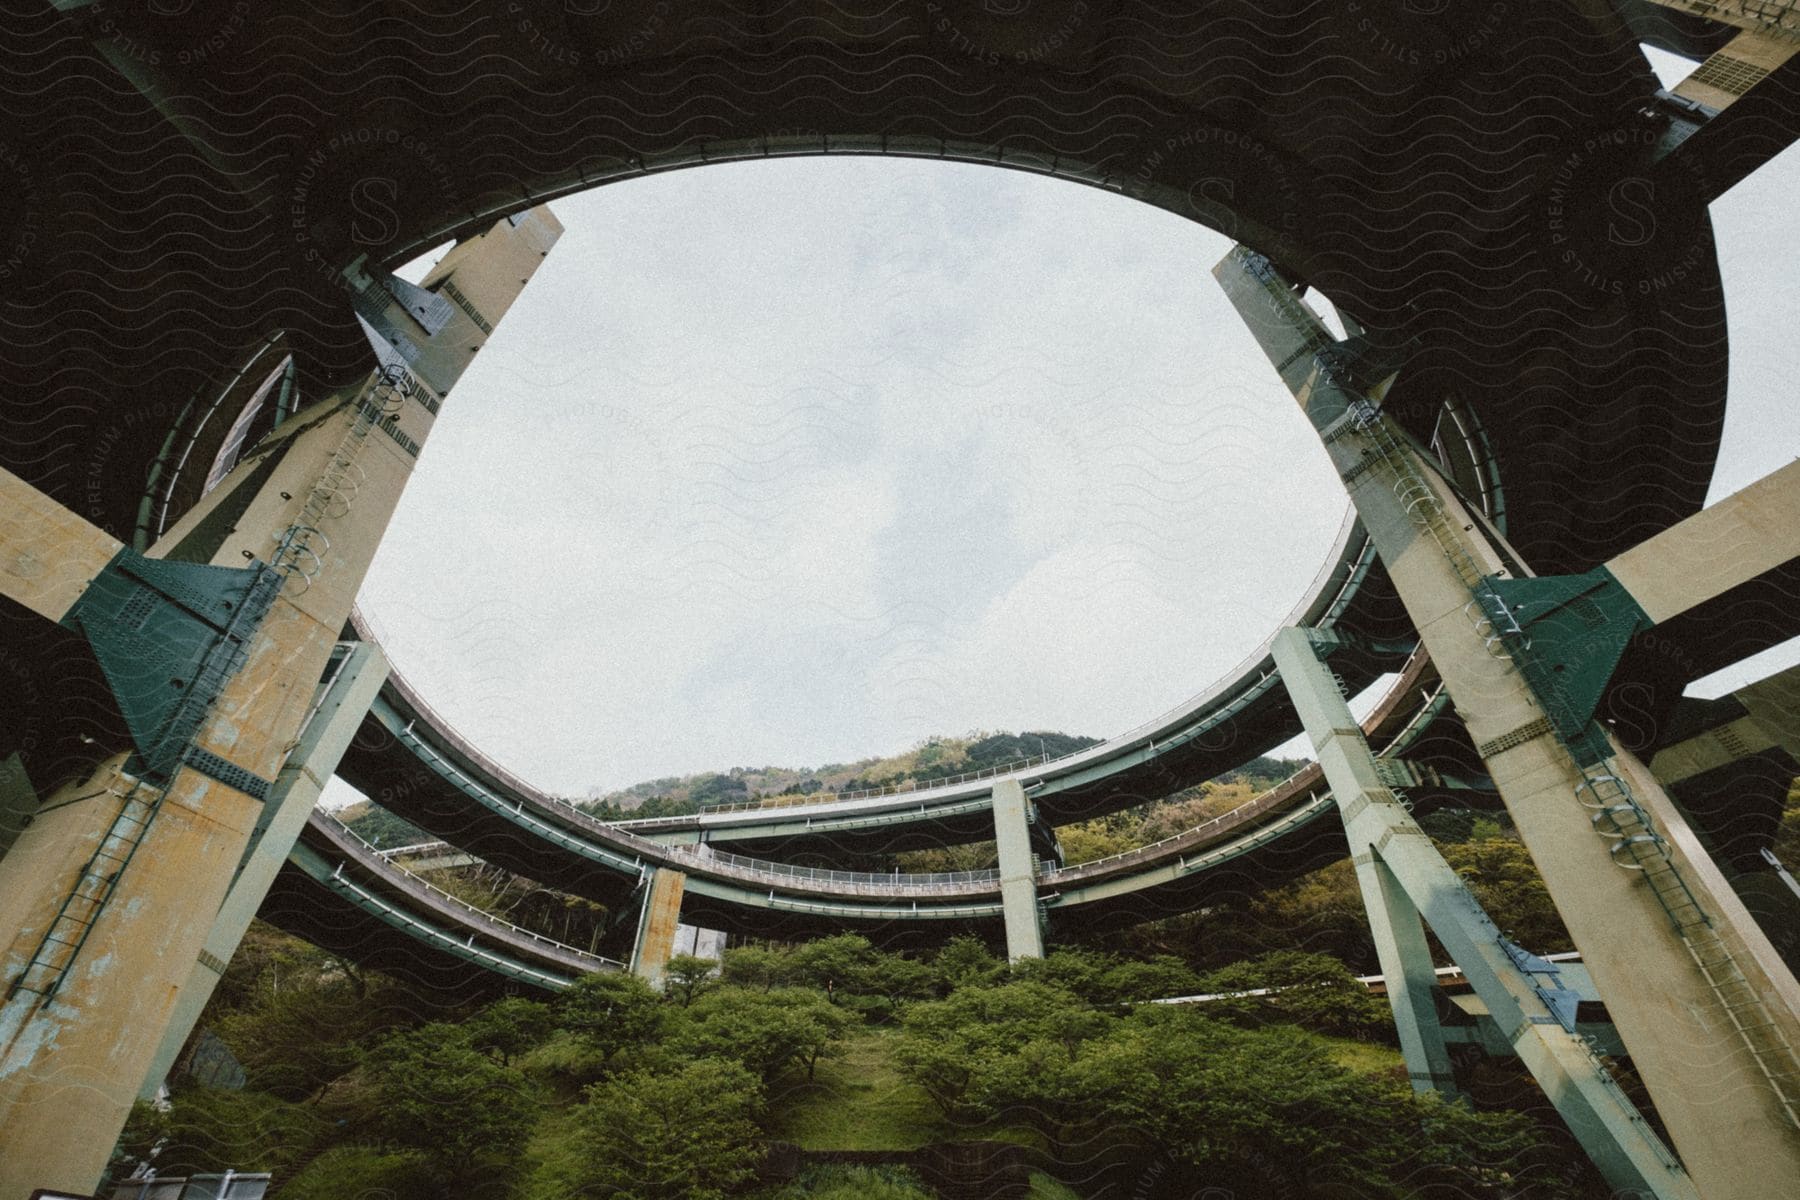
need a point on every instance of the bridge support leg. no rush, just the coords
(1018, 871)
(1406, 964)
(1706, 1009)
(657, 925)
(347, 692)
(214, 644)
(1403, 877)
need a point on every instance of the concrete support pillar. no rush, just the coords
(1703, 1003)
(346, 695)
(1018, 871)
(108, 898)
(657, 925)
(1403, 877)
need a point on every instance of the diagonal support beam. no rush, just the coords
(1706, 1008)
(1403, 877)
(1730, 543)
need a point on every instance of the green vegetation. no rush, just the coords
(361, 1085)
(1787, 836)
(685, 1131)
(1261, 1111)
(379, 827)
(832, 1182)
(611, 1089)
(862, 1100)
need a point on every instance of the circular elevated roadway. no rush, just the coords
(184, 186)
(420, 768)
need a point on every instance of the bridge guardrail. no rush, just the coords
(941, 881)
(483, 913)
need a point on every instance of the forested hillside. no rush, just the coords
(755, 1081)
(934, 758)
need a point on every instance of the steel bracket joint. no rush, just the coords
(1567, 634)
(168, 636)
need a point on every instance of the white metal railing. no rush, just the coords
(533, 935)
(1269, 801)
(792, 800)
(896, 880)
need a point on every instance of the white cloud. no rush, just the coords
(805, 460)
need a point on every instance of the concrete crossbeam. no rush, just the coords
(1771, 719)
(1730, 543)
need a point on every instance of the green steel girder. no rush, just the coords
(323, 872)
(168, 635)
(1567, 634)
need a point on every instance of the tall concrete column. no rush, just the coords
(346, 697)
(1403, 877)
(109, 896)
(1018, 871)
(657, 925)
(1707, 1010)
(1406, 965)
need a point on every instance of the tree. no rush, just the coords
(686, 976)
(1321, 912)
(754, 966)
(949, 1047)
(1072, 970)
(965, 961)
(365, 1173)
(437, 1094)
(1136, 981)
(1313, 990)
(379, 827)
(764, 1031)
(687, 1134)
(1500, 872)
(717, 789)
(302, 1033)
(897, 978)
(1256, 1112)
(610, 1011)
(508, 1028)
(841, 962)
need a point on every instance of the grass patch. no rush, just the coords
(861, 1101)
(1365, 1058)
(1043, 1187)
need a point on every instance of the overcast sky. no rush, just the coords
(803, 461)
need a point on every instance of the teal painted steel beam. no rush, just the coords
(461, 946)
(1400, 861)
(1394, 920)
